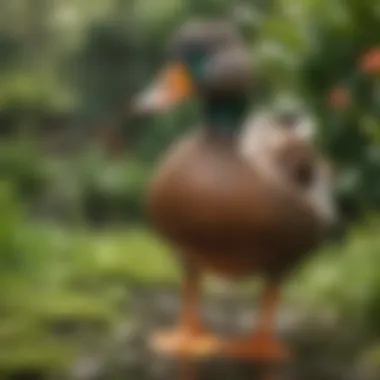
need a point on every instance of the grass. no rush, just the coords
(84, 277)
(346, 273)
(76, 280)
(40, 354)
(342, 277)
(338, 273)
(135, 256)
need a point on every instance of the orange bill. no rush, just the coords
(173, 86)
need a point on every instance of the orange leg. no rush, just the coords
(263, 345)
(189, 340)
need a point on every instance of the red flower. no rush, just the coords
(370, 62)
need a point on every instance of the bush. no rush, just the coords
(116, 192)
(24, 166)
(103, 190)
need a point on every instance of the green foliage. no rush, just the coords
(35, 296)
(135, 257)
(304, 47)
(312, 48)
(323, 281)
(22, 165)
(10, 51)
(41, 356)
(59, 281)
(117, 190)
(101, 190)
(32, 92)
(9, 220)
(103, 70)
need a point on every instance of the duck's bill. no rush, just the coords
(172, 87)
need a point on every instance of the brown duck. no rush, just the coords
(226, 211)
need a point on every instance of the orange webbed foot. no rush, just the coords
(182, 343)
(260, 348)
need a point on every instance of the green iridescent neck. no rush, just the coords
(224, 117)
(221, 115)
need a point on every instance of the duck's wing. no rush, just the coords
(264, 140)
(260, 138)
(321, 193)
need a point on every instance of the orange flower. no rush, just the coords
(339, 98)
(370, 62)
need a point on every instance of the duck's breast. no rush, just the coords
(206, 198)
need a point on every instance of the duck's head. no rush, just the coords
(206, 60)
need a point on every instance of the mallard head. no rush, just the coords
(207, 60)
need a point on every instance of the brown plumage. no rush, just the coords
(232, 211)
(221, 213)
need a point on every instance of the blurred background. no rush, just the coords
(83, 278)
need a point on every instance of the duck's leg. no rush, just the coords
(190, 338)
(262, 346)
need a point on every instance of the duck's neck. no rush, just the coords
(224, 118)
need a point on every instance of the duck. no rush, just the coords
(229, 205)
